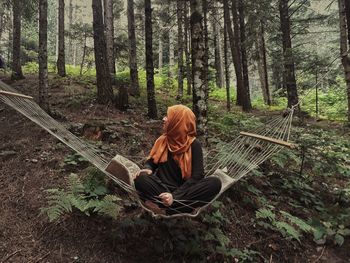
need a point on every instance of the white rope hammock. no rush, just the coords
(228, 161)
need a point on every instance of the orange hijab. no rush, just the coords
(177, 138)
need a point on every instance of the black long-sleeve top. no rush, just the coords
(170, 174)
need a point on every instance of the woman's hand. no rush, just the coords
(144, 171)
(167, 198)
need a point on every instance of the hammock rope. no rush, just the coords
(229, 162)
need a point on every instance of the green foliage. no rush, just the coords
(286, 224)
(74, 159)
(88, 196)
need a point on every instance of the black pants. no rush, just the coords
(197, 195)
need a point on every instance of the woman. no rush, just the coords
(173, 178)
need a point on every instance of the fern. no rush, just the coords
(108, 207)
(265, 214)
(287, 230)
(87, 196)
(302, 225)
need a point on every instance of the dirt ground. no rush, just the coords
(31, 162)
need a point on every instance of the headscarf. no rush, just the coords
(177, 138)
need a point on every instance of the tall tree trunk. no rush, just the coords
(227, 69)
(160, 49)
(180, 49)
(134, 76)
(61, 61)
(10, 37)
(262, 63)
(1, 27)
(246, 103)
(152, 106)
(237, 53)
(200, 101)
(171, 48)
(104, 87)
(16, 45)
(70, 23)
(187, 50)
(288, 60)
(206, 49)
(84, 54)
(43, 78)
(219, 76)
(109, 30)
(347, 14)
(344, 48)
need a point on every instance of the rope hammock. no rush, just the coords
(228, 161)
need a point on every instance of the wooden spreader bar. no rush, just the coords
(269, 139)
(15, 94)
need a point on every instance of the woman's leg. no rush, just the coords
(197, 195)
(149, 187)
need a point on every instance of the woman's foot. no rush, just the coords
(154, 208)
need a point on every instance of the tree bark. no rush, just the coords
(237, 53)
(347, 14)
(70, 23)
(171, 46)
(262, 63)
(152, 106)
(246, 103)
(134, 76)
(187, 50)
(16, 45)
(43, 77)
(200, 100)
(219, 76)
(104, 87)
(160, 49)
(84, 54)
(344, 49)
(180, 49)
(227, 70)
(109, 32)
(206, 49)
(61, 61)
(288, 60)
(1, 26)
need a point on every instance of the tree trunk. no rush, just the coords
(70, 23)
(237, 53)
(200, 101)
(347, 14)
(344, 48)
(234, 40)
(180, 49)
(262, 63)
(109, 31)
(10, 38)
(288, 60)
(1, 27)
(43, 78)
(219, 76)
(227, 70)
(84, 54)
(246, 103)
(104, 87)
(160, 49)
(16, 53)
(171, 54)
(187, 50)
(206, 49)
(134, 76)
(61, 61)
(152, 106)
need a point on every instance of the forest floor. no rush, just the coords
(31, 161)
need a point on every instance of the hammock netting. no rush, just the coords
(228, 161)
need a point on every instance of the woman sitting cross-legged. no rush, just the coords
(173, 180)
